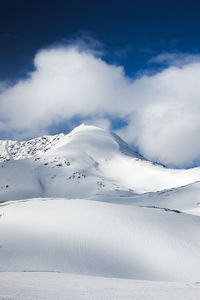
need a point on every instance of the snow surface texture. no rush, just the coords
(101, 239)
(85, 203)
(56, 286)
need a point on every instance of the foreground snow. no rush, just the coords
(99, 238)
(85, 203)
(59, 286)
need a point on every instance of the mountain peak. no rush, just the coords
(84, 162)
(84, 137)
(86, 127)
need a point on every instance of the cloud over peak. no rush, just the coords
(161, 111)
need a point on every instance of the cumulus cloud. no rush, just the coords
(161, 111)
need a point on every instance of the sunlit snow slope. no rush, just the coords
(86, 203)
(84, 163)
(95, 238)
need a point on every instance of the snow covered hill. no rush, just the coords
(86, 203)
(101, 239)
(83, 164)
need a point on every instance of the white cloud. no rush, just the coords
(162, 110)
(176, 59)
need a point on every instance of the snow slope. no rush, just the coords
(87, 162)
(99, 238)
(85, 203)
(57, 286)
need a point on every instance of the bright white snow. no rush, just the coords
(85, 203)
(82, 164)
(57, 286)
(99, 238)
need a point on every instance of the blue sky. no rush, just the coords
(131, 31)
(128, 66)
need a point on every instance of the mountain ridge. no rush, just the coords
(13, 149)
(87, 161)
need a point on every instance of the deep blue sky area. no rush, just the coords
(131, 31)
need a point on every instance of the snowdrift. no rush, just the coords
(101, 239)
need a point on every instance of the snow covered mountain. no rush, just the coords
(86, 203)
(88, 162)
